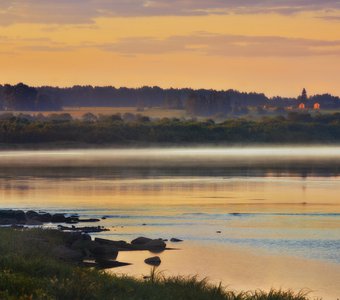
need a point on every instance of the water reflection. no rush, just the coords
(271, 202)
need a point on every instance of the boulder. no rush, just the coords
(156, 245)
(44, 217)
(7, 214)
(58, 218)
(140, 241)
(20, 216)
(104, 251)
(153, 261)
(67, 254)
(117, 244)
(8, 217)
(82, 245)
(31, 214)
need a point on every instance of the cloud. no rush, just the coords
(200, 43)
(85, 11)
(331, 18)
(15, 45)
(226, 45)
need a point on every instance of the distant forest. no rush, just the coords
(201, 102)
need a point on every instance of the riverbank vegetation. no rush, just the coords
(137, 129)
(30, 270)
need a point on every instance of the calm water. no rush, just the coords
(278, 209)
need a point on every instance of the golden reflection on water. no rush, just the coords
(270, 194)
(241, 269)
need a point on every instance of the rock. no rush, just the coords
(117, 244)
(157, 245)
(67, 254)
(83, 229)
(20, 216)
(174, 240)
(8, 217)
(58, 218)
(153, 261)
(139, 244)
(88, 220)
(140, 241)
(31, 214)
(7, 214)
(218, 231)
(105, 251)
(81, 245)
(44, 217)
(71, 220)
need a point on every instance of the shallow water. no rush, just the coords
(278, 209)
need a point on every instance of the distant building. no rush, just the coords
(302, 106)
(316, 106)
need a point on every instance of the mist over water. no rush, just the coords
(203, 157)
(174, 163)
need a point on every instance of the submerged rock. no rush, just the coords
(174, 240)
(83, 229)
(88, 220)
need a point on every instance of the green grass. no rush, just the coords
(28, 270)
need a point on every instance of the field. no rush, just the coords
(78, 112)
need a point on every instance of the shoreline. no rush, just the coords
(263, 269)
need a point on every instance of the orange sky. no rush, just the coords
(247, 48)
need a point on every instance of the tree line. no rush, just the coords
(115, 129)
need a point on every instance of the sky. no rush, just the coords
(273, 46)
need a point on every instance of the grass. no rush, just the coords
(28, 270)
